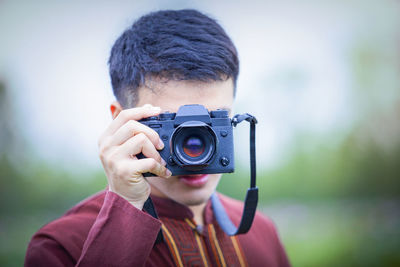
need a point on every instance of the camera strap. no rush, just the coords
(149, 208)
(251, 200)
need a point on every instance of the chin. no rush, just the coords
(175, 190)
(193, 199)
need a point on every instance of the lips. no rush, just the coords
(197, 180)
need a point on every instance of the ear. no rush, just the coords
(115, 108)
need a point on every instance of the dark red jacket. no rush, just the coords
(106, 230)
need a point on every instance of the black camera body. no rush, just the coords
(196, 141)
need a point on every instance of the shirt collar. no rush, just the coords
(169, 208)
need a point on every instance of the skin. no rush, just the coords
(125, 138)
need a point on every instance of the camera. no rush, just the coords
(196, 141)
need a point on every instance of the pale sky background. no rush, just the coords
(295, 75)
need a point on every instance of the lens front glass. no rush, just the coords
(193, 146)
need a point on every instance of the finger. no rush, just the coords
(131, 114)
(149, 165)
(132, 128)
(139, 144)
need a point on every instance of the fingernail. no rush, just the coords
(160, 144)
(158, 109)
(163, 162)
(147, 106)
(168, 173)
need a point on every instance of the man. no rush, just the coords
(165, 60)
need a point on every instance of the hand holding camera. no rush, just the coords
(120, 143)
(193, 141)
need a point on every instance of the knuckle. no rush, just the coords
(141, 138)
(104, 146)
(131, 124)
(102, 155)
(161, 170)
(152, 164)
(102, 151)
(112, 159)
(154, 135)
(123, 114)
(158, 157)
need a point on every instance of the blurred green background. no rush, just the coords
(330, 185)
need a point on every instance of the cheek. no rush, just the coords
(214, 179)
(157, 181)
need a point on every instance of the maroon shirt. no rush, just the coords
(106, 230)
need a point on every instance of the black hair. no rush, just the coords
(171, 45)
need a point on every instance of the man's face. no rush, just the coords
(197, 189)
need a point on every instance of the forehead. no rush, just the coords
(171, 95)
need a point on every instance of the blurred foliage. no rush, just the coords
(32, 198)
(32, 193)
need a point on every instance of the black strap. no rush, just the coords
(253, 121)
(149, 208)
(251, 200)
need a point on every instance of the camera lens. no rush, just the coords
(193, 146)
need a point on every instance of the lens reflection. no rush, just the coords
(193, 146)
